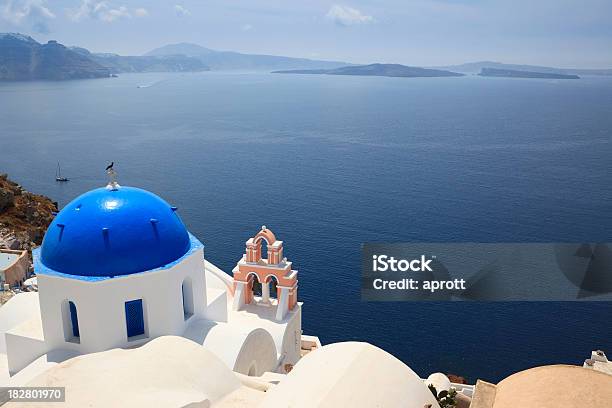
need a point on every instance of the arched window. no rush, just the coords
(272, 286)
(253, 288)
(187, 293)
(254, 284)
(70, 319)
(263, 244)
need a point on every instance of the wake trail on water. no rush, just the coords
(151, 84)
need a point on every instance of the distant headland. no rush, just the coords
(476, 67)
(511, 73)
(388, 70)
(23, 59)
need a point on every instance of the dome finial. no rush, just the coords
(112, 177)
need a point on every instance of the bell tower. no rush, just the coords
(253, 268)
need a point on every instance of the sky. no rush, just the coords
(561, 33)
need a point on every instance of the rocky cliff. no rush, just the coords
(24, 217)
(118, 64)
(22, 59)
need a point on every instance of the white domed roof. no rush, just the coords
(351, 374)
(169, 371)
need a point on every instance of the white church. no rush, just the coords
(117, 268)
(127, 302)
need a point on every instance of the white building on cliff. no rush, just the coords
(127, 303)
(118, 268)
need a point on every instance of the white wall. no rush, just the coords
(101, 305)
(292, 339)
(244, 349)
(22, 351)
(257, 354)
(18, 309)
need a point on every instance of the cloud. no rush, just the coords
(181, 11)
(246, 27)
(18, 11)
(28, 12)
(141, 12)
(346, 16)
(111, 15)
(104, 11)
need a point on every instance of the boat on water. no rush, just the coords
(58, 174)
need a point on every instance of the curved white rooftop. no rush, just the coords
(169, 371)
(351, 374)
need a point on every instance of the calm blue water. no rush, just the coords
(331, 162)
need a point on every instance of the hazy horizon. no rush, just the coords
(559, 33)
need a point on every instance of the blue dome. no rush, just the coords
(114, 232)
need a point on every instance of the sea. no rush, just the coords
(332, 162)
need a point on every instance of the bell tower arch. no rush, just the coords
(275, 267)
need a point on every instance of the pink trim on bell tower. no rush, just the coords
(274, 267)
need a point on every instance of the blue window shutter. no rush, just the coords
(74, 319)
(134, 318)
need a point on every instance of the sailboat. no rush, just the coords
(58, 174)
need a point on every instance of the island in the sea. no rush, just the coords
(388, 70)
(511, 73)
